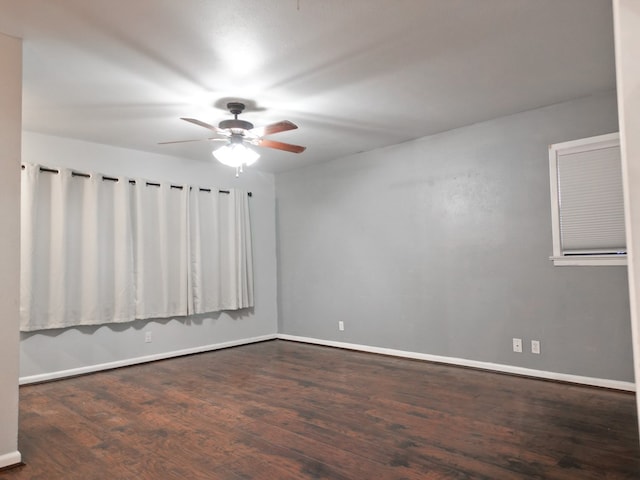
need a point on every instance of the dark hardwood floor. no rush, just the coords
(281, 410)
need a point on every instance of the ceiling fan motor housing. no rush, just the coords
(235, 123)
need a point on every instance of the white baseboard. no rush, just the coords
(44, 377)
(10, 459)
(496, 367)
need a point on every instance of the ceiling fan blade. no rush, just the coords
(185, 141)
(287, 147)
(273, 128)
(200, 123)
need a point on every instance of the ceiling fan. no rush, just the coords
(238, 134)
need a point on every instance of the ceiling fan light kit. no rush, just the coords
(236, 155)
(240, 133)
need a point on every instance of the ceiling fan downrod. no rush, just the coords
(236, 108)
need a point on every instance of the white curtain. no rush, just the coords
(241, 227)
(221, 265)
(160, 239)
(101, 250)
(77, 251)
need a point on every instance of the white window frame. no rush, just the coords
(559, 258)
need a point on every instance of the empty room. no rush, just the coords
(302, 239)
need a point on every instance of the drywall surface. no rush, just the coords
(441, 246)
(74, 348)
(10, 125)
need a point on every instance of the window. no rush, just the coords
(587, 203)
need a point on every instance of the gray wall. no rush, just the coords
(10, 125)
(441, 246)
(45, 352)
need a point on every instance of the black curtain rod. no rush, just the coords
(132, 182)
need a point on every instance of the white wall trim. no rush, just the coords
(44, 377)
(10, 459)
(589, 260)
(496, 367)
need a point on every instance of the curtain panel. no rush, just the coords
(221, 261)
(103, 249)
(160, 238)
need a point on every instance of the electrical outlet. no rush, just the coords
(517, 345)
(341, 325)
(535, 346)
(147, 337)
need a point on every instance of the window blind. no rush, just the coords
(591, 201)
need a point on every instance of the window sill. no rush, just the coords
(589, 260)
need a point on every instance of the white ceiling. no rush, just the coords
(354, 75)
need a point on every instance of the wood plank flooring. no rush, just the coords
(281, 410)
